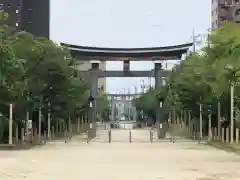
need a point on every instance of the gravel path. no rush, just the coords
(120, 161)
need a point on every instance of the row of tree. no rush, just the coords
(38, 76)
(202, 81)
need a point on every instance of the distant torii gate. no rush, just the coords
(84, 53)
(124, 99)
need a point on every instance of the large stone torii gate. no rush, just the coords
(84, 53)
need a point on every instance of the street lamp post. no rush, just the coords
(232, 81)
(232, 112)
(49, 121)
(40, 119)
(10, 138)
(159, 116)
(27, 116)
(209, 124)
(219, 118)
(200, 122)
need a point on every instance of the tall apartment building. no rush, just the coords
(223, 10)
(30, 15)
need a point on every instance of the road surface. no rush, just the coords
(120, 161)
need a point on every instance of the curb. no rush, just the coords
(28, 146)
(224, 147)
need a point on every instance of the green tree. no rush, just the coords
(35, 73)
(203, 78)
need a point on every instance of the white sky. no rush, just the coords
(128, 23)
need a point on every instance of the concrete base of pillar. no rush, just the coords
(161, 130)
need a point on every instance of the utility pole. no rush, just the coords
(142, 85)
(150, 83)
(194, 40)
(135, 89)
(129, 105)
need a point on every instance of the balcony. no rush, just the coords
(224, 13)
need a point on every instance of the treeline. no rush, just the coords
(202, 81)
(38, 76)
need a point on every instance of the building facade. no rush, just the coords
(30, 15)
(223, 10)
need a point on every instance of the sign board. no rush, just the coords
(29, 124)
(29, 128)
(160, 104)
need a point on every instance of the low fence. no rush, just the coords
(224, 135)
(165, 133)
(182, 130)
(58, 132)
(129, 136)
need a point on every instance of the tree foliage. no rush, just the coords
(36, 73)
(204, 77)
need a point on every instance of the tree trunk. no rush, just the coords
(219, 119)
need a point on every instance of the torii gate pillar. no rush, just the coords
(94, 90)
(112, 108)
(160, 122)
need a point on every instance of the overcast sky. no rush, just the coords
(128, 24)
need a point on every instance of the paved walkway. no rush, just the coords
(122, 135)
(120, 161)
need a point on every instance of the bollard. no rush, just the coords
(223, 134)
(130, 136)
(173, 138)
(237, 136)
(151, 136)
(32, 135)
(109, 136)
(70, 132)
(227, 135)
(22, 135)
(66, 136)
(16, 135)
(215, 134)
(35, 136)
(70, 136)
(194, 136)
(78, 125)
(53, 132)
(45, 137)
(88, 136)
